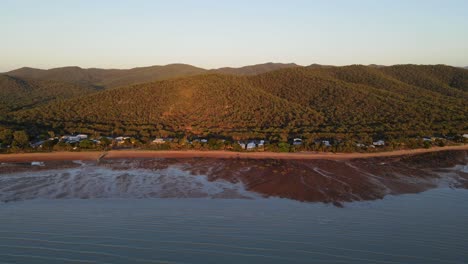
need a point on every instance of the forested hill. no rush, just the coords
(354, 100)
(111, 78)
(19, 93)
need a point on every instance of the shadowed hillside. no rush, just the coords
(109, 78)
(17, 93)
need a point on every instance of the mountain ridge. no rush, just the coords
(112, 78)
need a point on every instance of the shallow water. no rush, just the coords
(429, 227)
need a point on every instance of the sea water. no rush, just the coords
(429, 227)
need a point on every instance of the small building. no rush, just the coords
(73, 139)
(297, 141)
(203, 140)
(82, 136)
(261, 143)
(159, 141)
(242, 144)
(379, 143)
(427, 139)
(360, 145)
(37, 163)
(326, 143)
(465, 135)
(251, 145)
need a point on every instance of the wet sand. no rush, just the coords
(129, 154)
(313, 180)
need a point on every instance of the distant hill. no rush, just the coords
(255, 69)
(18, 93)
(111, 78)
(357, 100)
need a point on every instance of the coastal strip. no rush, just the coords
(129, 154)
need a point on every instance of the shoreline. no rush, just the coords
(130, 154)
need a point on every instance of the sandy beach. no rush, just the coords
(129, 154)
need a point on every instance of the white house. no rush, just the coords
(326, 143)
(297, 141)
(159, 141)
(204, 140)
(82, 136)
(465, 135)
(261, 143)
(72, 139)
(251, 145)
(241, 144)
(379, 143)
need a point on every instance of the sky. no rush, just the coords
(216, 33)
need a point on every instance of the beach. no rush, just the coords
(129, 154)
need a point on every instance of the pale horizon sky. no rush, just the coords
(212, 34)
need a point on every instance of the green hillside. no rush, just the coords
(359, 97)
(17, 93)
(351, 100)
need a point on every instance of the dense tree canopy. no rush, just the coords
(314, 102)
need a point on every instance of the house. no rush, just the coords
(243, 145)
(326, 143)
(360, 145)
(121, 140)
(204, 140)
(73, 139)
(159, 141)
(261, 143)
(379, 143)
(465, 135)
(37, 163)
(297, 141)
(251, 145)
(82, 136)
(427, 139)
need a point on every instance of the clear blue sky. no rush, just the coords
(215, 33)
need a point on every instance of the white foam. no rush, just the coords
(90, 181)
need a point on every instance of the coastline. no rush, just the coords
(129, 154)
